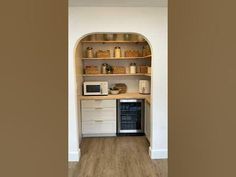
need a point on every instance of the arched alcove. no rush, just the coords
(153, 25)
(135, 48)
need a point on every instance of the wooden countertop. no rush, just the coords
(148, 99)
(119, 96)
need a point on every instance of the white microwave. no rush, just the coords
(95, 88)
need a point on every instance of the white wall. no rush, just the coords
(150, 22)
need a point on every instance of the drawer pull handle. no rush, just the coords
(98, 108)
(98, 120)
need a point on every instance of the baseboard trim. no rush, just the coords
(99, 135)
(158, 154)
(74, 156)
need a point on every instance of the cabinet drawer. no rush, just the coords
(98, 103)
(92, 114)
(99, 127)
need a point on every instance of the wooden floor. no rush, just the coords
(117, 157)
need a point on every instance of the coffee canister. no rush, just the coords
(117, 52)
(132, 68)
(144, 86)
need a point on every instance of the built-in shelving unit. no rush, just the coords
(119, 54)
(121, 58)
(134, 50)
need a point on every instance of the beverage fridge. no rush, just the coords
(130, 117)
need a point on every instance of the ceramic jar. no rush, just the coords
(90, 52)
(117, 52)
(132, 68)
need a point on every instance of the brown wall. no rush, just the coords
(33, 91)
(202, 88)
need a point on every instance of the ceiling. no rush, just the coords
(118, 3)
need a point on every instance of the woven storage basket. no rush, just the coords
(142, 69)
(118, 70)
(132, 53)
(103, 54)
(122, 87)
(91, 70)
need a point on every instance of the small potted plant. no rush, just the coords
(109, 69)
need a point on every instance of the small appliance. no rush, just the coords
(144, 86)
(95, 88)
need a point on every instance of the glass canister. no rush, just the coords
(127, 37)
(90, 52)
(127, 70)
(104, 68)
(132, 69)
(117, 52)
(108, 37)
(93, 37)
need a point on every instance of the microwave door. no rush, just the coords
(93, 89)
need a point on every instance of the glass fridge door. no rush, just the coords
(131, 116)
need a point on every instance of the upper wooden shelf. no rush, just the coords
(114, 42)
(121, 58)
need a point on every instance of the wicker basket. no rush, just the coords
(92, 70)
(146, 51)
(132, 53)
(122, 87)
(142, 69)
(103, 54)
(118, 70)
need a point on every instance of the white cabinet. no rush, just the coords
(147, 120)
(98, 103)
(98, 117)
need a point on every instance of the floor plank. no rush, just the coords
(117, 157)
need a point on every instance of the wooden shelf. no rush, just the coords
(114, 75)
(137, 42)
(148, 75)
(122, 58)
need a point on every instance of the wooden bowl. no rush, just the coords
(115, 92)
